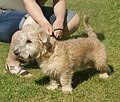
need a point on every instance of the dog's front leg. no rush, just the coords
(66, 80)
(53, 83)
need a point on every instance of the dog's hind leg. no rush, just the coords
(104, 70)
(100, 61)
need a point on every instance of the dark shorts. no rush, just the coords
(49, 14)
(11, 21)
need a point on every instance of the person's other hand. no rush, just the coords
(58, 28)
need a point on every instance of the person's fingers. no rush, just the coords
(58, 33)
(50, 31)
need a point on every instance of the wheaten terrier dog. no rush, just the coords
(60, 59)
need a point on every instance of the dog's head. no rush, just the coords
(32, 42)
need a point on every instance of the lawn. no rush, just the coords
(88, 87)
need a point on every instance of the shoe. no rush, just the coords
(17, 70)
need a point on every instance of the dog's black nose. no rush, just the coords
(16, 52)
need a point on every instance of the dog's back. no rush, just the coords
(79, 52)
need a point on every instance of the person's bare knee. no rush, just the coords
(15, 37)
(29, 20)
(73, 25)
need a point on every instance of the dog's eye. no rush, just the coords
(28, 41)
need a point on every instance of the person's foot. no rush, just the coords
(15, 68)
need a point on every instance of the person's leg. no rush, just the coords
(72, 25)
(12, 58)
(12, 62)
(71, 22)
(10, 22)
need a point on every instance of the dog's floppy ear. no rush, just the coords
(43, 36)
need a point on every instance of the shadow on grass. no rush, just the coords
(43, 81)
(84, 75)
(78, 77)
(111, 68)
(100, 36)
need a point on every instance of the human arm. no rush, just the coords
(36, 13)
(59, 11)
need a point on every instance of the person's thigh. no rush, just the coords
(9, 24)
(50, 16)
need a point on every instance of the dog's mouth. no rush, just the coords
(29, 57)
(23, 59)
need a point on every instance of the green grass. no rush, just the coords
(105, 19)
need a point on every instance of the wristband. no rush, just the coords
(58, 29)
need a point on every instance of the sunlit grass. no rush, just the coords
(105, 19)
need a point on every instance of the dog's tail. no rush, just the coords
(88, 28)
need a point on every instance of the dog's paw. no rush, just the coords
(52, 87)
(67, 90)
(104, 75)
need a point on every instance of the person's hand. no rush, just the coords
(48, 28)
(58, 28)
